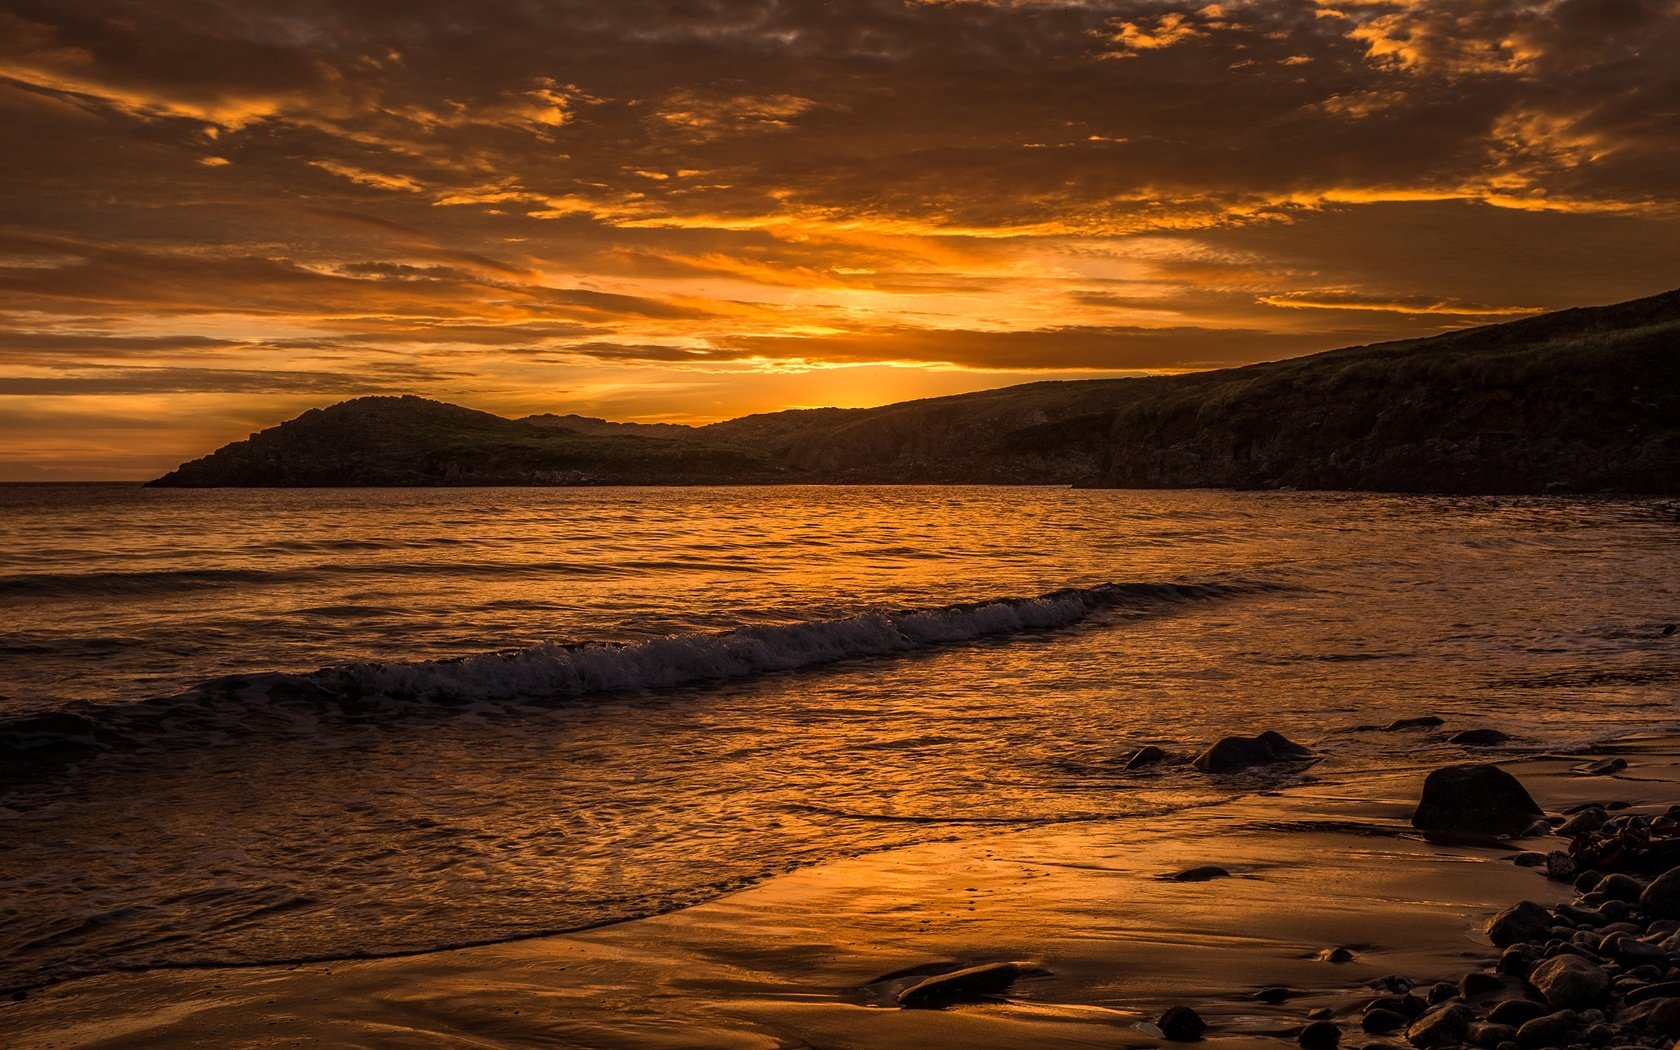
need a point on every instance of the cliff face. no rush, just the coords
(1578, 401)
(1583, 401)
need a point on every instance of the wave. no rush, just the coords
(556, 672)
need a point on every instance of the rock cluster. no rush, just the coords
(1600, 971)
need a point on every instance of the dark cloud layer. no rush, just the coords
(537, 200)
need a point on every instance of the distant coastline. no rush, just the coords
(1580, 401)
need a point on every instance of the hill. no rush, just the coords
(1583, 400)
(414, 441)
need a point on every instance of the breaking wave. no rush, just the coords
(555, 672)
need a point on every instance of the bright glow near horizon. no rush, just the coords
(214, 218)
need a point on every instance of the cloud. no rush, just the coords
(566, 195)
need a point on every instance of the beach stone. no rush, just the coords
(1335, 955)
(1517, 960)
(1529, 859)
(1441, 1027)
(1418, 722)
(1560, 866)
(1664, 1018)
(1621, 887)
(1599, 1034)
(1664, 990)
(1323, 1013)
(1587, 820)
(1604, 768)
(1146, 756)
(1661, 899)
(1522, 921)
(1490, 1035)
(1205, 873)
(1635, 1016)
(975, 982)
(1273, 996)
(1383, 1021)
(1582, 915)
(1516, 1012)
(1570, 982)
(1442, 991)
(1550, 1030)
(1588, 880)
(1181, 1024)
(1320, 1035)
(1476, 982)
(1474, 799)
(1478, 738)
(1399, 984)
(1242, 752)
(1631, 951)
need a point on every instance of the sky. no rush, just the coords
(215, 214)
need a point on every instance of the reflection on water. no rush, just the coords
(312, 829)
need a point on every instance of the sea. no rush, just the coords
(271, 726)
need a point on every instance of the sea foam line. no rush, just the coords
(555, 669)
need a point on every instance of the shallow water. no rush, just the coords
(628, 756)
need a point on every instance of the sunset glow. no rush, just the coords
(215, 215)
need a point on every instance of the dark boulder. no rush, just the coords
(1547, 1030)
(1181, 1024)
(1589, 819)
(975, 982)
(1420, 722)
(1516, 1012)
(1491, 1035)
(1382, 1021)
(1620, 887)
(1664, 1019)
(1441, 1027)
(1205, 873)
(1241, 752)
(1569, 982)
(1320, 1035)
(1661, 899)
(1522, 921)
(1604, 768)
(1478, 738)
(1146, 756)
(1474, 799)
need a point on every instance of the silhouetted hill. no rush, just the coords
(415, 441)
(1583, 400)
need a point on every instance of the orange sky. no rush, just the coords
(215, 214)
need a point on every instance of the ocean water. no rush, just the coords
(249, 726)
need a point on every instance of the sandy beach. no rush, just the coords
(813, 958)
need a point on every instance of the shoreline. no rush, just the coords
(814, 957)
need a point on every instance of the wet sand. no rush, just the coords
(797, 961)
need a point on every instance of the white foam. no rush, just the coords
(560, 670)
